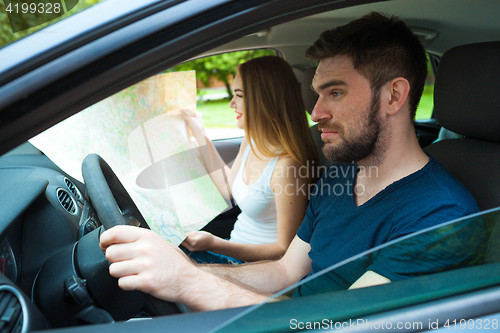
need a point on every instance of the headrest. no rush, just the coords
(467, 91)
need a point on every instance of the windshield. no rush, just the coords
(457, 256)
(22, 18)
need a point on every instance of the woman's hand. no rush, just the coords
(198, 241)
(195, 123)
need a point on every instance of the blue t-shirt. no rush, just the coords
(337, 229)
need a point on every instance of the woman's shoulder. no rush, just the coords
(286, 167)
(288, 171)
(286, 160)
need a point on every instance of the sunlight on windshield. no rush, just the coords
(139, 132)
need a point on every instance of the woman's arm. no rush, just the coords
(215, 165)
(291, 201)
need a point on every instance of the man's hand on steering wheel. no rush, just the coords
(142, 260)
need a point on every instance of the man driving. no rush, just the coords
(382, 186)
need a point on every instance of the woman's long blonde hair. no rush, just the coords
(275, 115)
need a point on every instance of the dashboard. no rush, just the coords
(9, 261)
(53, 271)
(42, 212)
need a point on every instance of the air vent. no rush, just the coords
(11, 310)
(72, 187)
(66, 201)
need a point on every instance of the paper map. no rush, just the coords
(141, 135)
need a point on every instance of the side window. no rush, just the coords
(214, 76)
(426, 106)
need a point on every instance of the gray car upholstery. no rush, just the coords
(467, 102)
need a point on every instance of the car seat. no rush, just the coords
(467, 102)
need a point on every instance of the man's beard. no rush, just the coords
(363, 144)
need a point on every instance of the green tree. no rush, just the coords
(220, 66)
(7, 36)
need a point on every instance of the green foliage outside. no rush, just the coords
(218, 114)
(222, 67)
(7, 36)
(426, 105)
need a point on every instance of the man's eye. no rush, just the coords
(336, 93)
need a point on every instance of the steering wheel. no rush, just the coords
(74, 285)
(113, 204)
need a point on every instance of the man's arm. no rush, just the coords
(268, 276)
(141, 260)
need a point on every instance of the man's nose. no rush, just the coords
(320, 111)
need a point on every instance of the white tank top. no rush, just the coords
(257, 222)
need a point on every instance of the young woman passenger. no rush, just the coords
(270, 175)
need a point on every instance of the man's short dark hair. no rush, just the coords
(381, 48)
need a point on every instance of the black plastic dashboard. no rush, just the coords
(44, 214)
(41, 209)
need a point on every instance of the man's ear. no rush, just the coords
(397, 91)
